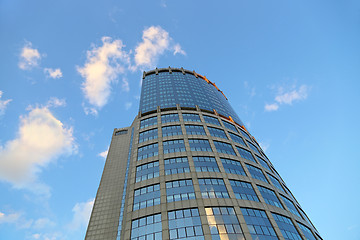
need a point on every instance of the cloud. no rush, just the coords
(128, 105)
(155, 41)
(288, 97)
(3, 104)
(29, 57)
(42, 223)
(15, 218)
(104, 153)
(41, 139)
(56, 102)
(102, 66)
(125, 85)
(9, 218)
(82, 213)
(53, 73)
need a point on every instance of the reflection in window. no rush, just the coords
(149, 227)
(215, 132)
(244, 134)
(191, 117)
(205, 164)
(307, 232)
(148, 122)
(173, 117)
(176, 165)
(174, 146)
(223, 223)
(185, 224)
(229, 126)
(256, 173)
(252, 146)
(195, 130)
(224, 148)
(200, 145)
(232, 166)
(243, 190)
(146, 196)
(213, 188)
(270, 196)
(211, 120)
(171, 130)
(290, 205)
(259, 225)
(286, 227)
(237, 139)
(276, 182)
(180, 190)
(148, 135)
(147, 171)
(148, 151)
(246, 154)
(263, 163)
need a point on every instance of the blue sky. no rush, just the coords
(71, 71)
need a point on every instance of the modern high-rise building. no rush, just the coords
(187, 168)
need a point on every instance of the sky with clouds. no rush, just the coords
(71, 73)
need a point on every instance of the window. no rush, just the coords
(176, 165)
(185, 224)
(173, 117)
(200, 145)
(146, 196)
(190, 117)
(215, 132)
(259, 225)
(147, 171)
(121, 132)
(205, 164)
(148, 122)
(286, 227)
(243, 190)
(149, 227)
(237, 139)
(290, 205)
(307, 232)
(171, 130)
(180, 190)
(224, 148)
(148, 151)
(213, 188)
(211, 120)
(229, 126)
(232, 166)
(195, 130)
(275, 182)
(256, 173)
(223, 223)
(148, 135)
(245, 134)
(174, 146)
(269, 196)
(263, 163)
(253, 147)
(245, 154)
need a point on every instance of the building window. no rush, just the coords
(174, 146)
(243, 190)
(246, 154)
(149, 227)
(253, 147)
(269, 196)
(148, 122)
(213, 188)
(146, 197)
(190, 117)
(205, 164)
(290, 205)
(307, 232)
(263, 163)
(237, 139)
(224, 148)
(185, 224)
(173, 117)
(215, 132)
(148, 135)
(229, 126)
(211, 120)
(121, 132)
(148, 151)
(256, 173)
(275, 182)
(245, 134)
(176, 165)
(286, 227)
(180, 190)
(223, 223)
(258, 224)
(232, 166)
(147, 171)
(200, 145)
(171, 130)
(195, 130)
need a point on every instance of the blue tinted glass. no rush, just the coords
(213, 188)
(200, 145)
(147, 151)
(286, 227)
(232, 166)
(171, 130)
(252, 146)
(256, 173)
(173, 117)
(180, 190)
(185, 224)
(148, 122)
(237, 139)
(229, 126)
(147, 171)
(149, 227)
(263, 163)
(195, 130)
(270, 197)
(211, 120)
(215, 132)
(307, 232)
(276, 182)
(290, 205)
(148, 135)
(191, 117)
(205, 164)
(176, 165)
(224, 148)
(243, 190)
(174, 146)
(245, 154)
(146, 196)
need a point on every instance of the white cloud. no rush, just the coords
(271, 107)
(42, 223)
(103, 64)
(82, 213)
(29, 57)
(56, 102)
(264, 146)
(9, 218)
(125, 85)
(104, 153)
(41, 139)
(155, 41)
(53, 73)
(128, 105)
(3, 104)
